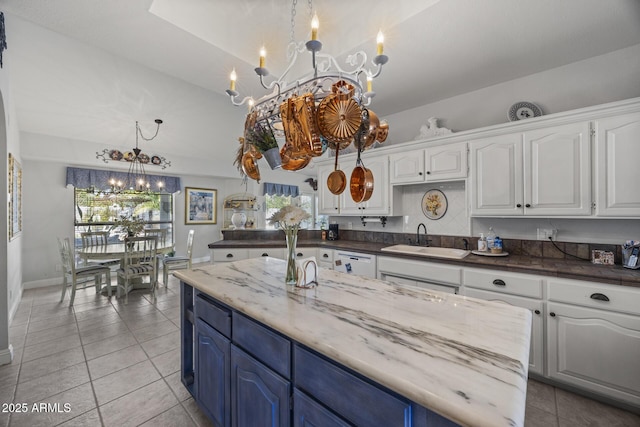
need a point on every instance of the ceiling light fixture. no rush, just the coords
(319, 81)
(136, 177)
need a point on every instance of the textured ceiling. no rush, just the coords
(87, 69)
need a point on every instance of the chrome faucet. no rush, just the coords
(425, 235)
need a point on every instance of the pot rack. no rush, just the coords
(324, 73)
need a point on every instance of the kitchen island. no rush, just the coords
(353, 348)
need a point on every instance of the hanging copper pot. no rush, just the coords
(337, 180)
(250, 166)
(304, 113)
(383, 132)
(372, 131)
(361, 183)
(339, 116)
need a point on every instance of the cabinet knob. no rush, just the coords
(428, 172)
(229, 255)
(552, 314)
(536, 311)
(336, 208)
(519, 205)
(420, 173)
(325, 255)
(299, 254)
(265, 254)
(499, 282)
(600, 297)
(527, 205)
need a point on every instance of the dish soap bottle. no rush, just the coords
(482, 243)
(491, 237)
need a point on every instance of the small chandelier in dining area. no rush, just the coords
(325, 107)
(136, 179)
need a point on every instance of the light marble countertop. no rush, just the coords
(461, 357)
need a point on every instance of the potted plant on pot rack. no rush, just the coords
(264, 140)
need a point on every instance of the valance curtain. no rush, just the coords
(273, 189)
(99, 179)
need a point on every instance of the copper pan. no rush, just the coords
(337, 180)
(361, 183)
(372, 131)
(250, 167)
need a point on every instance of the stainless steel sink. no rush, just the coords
(430, 251)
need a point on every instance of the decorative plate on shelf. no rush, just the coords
(523, 110)
(434, 204)
(116, 155)
(143, 158)
(128, 156)
(156, 160)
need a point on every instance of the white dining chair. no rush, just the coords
(71, 273)
(178, 262)
(139, 262)
(99, 241)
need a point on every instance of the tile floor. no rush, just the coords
(118, 365)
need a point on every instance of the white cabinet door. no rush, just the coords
(379, 203)
(557, 170)
(407, 167)
(328, 203)
(595, 350)
(617, 171)
(446, 162)
(496, 176)
(536, 349)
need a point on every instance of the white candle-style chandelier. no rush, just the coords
(136, 180)
(319, 81)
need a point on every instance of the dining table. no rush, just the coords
(118, 250)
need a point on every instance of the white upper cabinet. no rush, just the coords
(544, 172)
(378, 204)
(617, 166)
(407, 167)
(496, 175)
(446, 162)
(440, 163)
(557, 170)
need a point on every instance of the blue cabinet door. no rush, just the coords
(212, 379)
(260, 396)
(309, 413)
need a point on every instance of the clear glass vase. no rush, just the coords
(291, 277)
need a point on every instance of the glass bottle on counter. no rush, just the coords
(490, 238)
(482, 243)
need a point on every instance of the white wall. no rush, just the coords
(606, 78)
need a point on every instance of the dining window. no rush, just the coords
(98, 210)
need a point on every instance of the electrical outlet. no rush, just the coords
(546, 233)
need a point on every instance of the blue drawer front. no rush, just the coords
(357, 401)
(270, 348)
(214, 314)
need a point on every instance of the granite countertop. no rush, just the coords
(569, 269)
(463, 358)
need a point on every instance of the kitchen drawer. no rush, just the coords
(596, 295)
(325, 255)
(226, 255)
(305, 252)
(501, 281)
(272, 252)
(269, 347)
(354, 399)
(420, 270)
(215, 315)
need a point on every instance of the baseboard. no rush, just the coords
(6, 355)
(201, 260)
(43, 283)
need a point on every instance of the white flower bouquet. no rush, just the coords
(288, 219)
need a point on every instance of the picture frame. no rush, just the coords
(15, 197)
(200, 205)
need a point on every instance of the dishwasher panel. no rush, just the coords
(355, 263)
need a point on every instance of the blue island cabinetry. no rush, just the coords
(243, 373)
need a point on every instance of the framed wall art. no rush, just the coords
(15, 197)
(200, 206)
